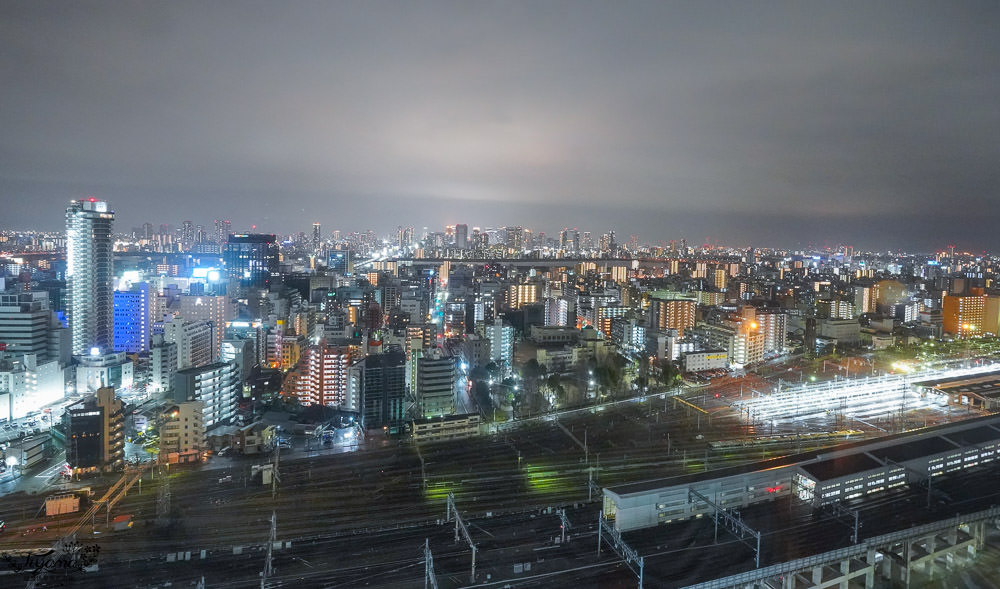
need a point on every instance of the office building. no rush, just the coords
(462, 236)
(132, 325)
(339, 261)
(217, 310)
(28, 326)
(90, 275)
(317, 237)
(26, 383)
(252, 259)
(95, 432)
(383, 391)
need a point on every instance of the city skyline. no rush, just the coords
(778, 124)
(342, 294)
(186, 234)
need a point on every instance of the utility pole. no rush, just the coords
(460, 527)
(268, 571)
(430, 580)
(163, 504)
(563, 525)
(274, 474)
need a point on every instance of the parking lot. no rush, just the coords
(26, 426)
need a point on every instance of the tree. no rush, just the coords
(479, 373)
(668, 374)
(531, 369)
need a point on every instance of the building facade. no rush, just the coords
(217, 385)
(90, 275)
(28, 326)
(384, 391)
(678, 314)
(182, 428)
(132, 325)
(251, 259)
(95, 432)
(436, 383)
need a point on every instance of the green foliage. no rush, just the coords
(668, 374)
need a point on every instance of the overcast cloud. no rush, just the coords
(764, 123)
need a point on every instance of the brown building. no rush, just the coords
(962, 315)
(676, 314)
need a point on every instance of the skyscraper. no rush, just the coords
(187, 235)
(252, 259)
(90, 275)
(317, 237)
(462, 236)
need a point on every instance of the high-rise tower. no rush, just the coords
(462, 236)
(90, 275)
(252, 259)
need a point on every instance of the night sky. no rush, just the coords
(875, 124)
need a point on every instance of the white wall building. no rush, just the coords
(27, 384)
(501, 346)
(194, 339)
(216, 384)
(95, 371)
(436, 383)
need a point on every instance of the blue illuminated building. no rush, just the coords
(132, 321)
